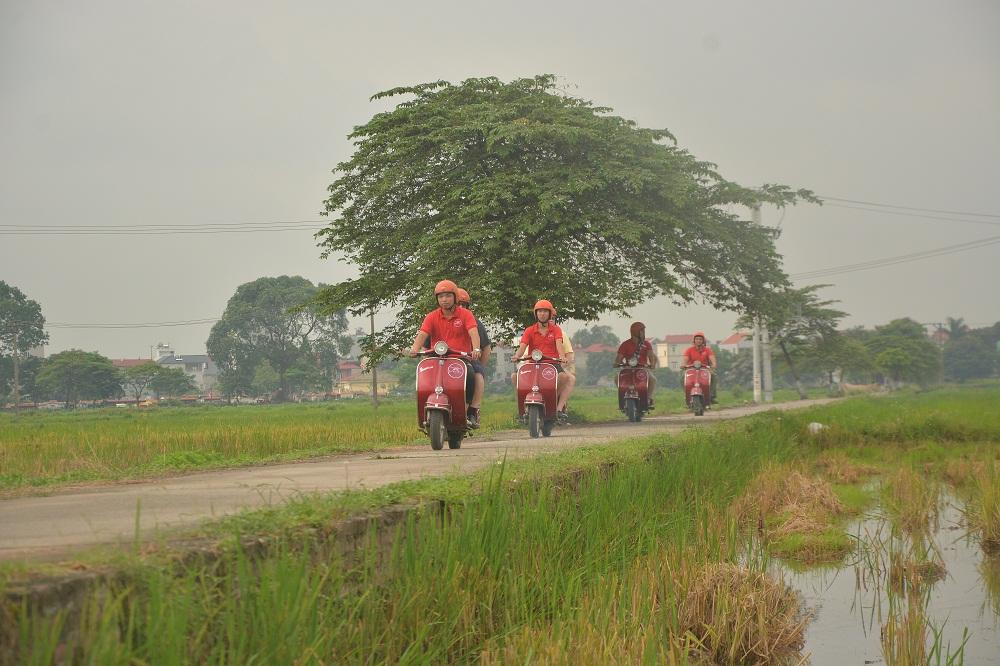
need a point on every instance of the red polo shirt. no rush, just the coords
(627, 349)
(534, 339)
(454, 329)
(704, 355)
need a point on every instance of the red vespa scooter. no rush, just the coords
(537, 383)
(697, 387)
(441, 396)
(633, 389)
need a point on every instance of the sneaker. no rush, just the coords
(562, 417)
(473, 417)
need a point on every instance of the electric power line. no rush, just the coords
(903, 214)
(148, 324)
(913, 208)
(899, 259)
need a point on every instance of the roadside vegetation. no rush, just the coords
(657, 550)
(62, 448)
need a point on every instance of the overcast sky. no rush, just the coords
(186, 113)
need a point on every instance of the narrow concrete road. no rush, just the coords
(33, 527)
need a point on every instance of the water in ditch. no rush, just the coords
(851, 604)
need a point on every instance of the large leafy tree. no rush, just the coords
(902, 351)
(273, 319)
(171, 382)
(598, 334)
(76, 375)
(139, 377)
(517, 191)
(796, 320)
(22, 327)
(969, 357)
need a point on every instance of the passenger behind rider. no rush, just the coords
(465, 301)
(545, 336)
(639, 348)
(457, 327)
(700, 351)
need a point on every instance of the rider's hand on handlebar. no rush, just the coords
(413, 353)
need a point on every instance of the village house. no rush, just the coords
(670, 350)
(354, 382)
(736, 343)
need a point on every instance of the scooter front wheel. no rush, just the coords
(435, 426)
(632, 409)
(698, 405)
(535, 420)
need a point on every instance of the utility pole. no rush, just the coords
(762, 377)
(17, 372)
(756, 361)
(374, 367)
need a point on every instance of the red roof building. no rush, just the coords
(125, 363)
(598, 347)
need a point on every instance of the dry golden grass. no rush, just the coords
(803, 503)
(839, 469)
(669, 609)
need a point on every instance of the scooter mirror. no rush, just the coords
(536, 355)
(440, 347)
(632, 362)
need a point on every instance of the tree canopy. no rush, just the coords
(22, 325)
(601, 334)
(76, 375)
(902, 351)
(517, 192)
(274, 319)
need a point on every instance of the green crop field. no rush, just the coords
(60, 448)
(651, 561)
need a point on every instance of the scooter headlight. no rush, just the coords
(697, 365)
(534, 389)
(440, 347)
(536, 355)
(632, 362)
(439, 390)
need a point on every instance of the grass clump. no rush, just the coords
(984, 508)
(911, 499)
(740, 616)
(797, 513)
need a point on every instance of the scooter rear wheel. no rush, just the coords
(435, 426)
(535, 420)
(547, 428)
(455, 440)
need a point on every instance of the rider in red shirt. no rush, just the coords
(699, 351)
(641, 349)
(456, 326)
(547, 337)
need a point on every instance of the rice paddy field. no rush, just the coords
(45, 449)
(871, 537)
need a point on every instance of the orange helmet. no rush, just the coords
(544, 305)
(445, 287)
(463, 296)
(636, 327)
(697, 334)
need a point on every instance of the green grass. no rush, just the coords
(50, 449)
(527, 564)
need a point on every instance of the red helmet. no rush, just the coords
(463, 296)
(445, 287)
(636, 327)
(697, 334)
(545, 305)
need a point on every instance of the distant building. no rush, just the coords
(737, 342)
(355, 382)
(670, 350)
(126, 363)
(198, 367)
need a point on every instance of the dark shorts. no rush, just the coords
(559, 367)
(477, 367)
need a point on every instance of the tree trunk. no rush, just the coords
(795, 373)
